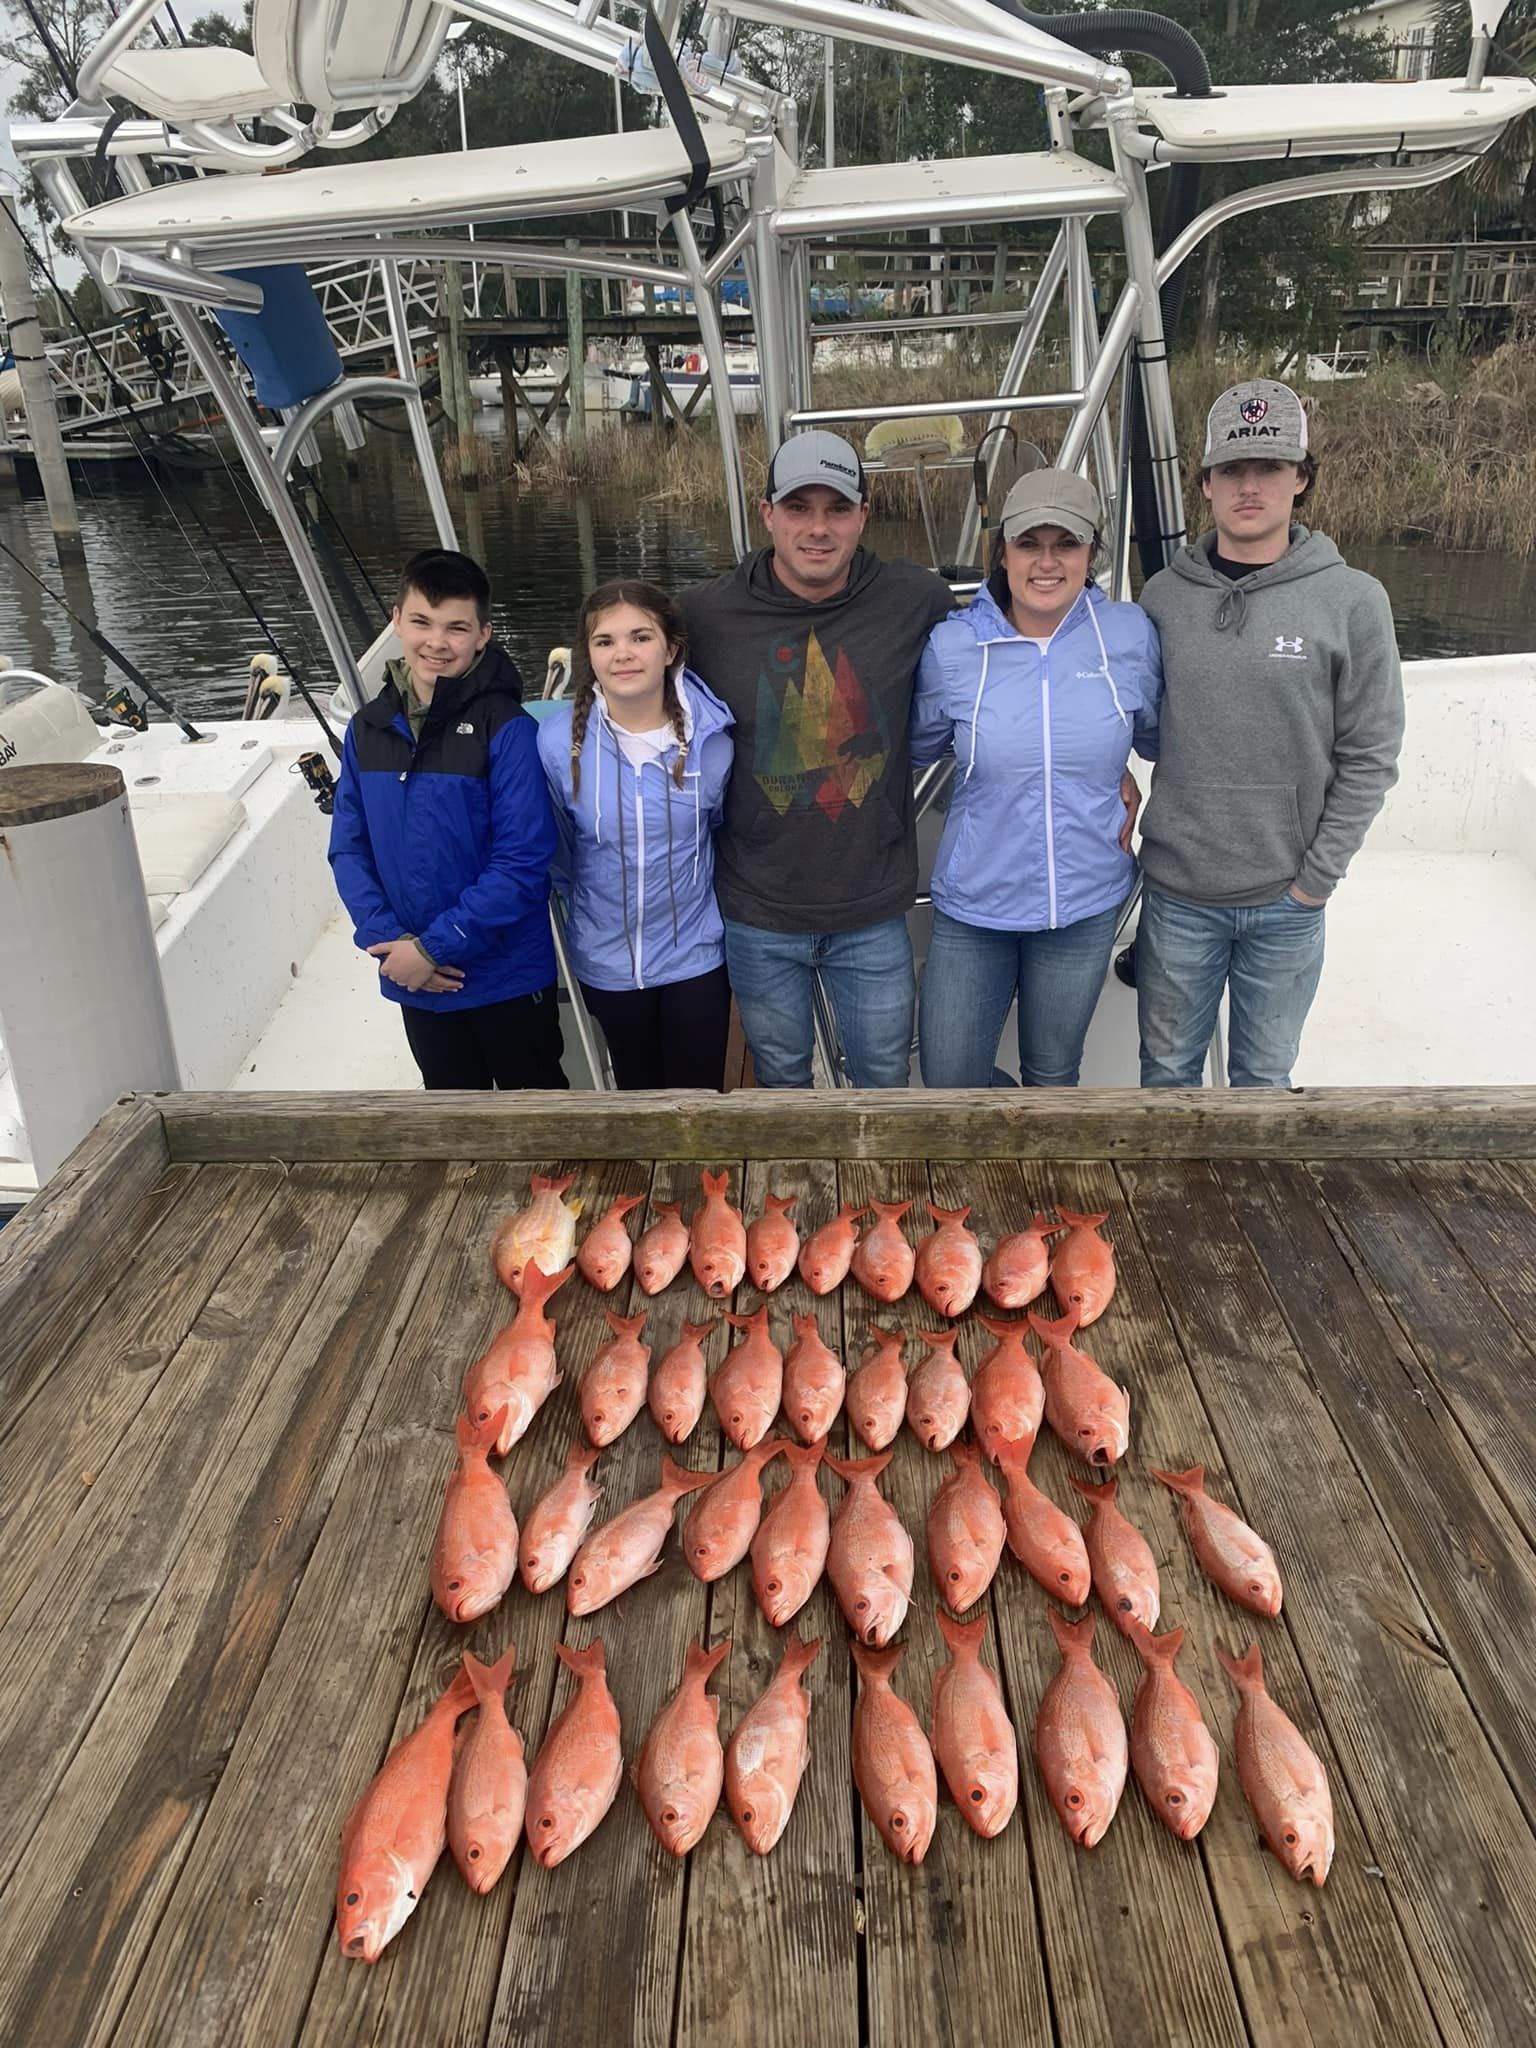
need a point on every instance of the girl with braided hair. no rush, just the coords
(637, 767)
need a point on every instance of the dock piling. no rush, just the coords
(36, 390)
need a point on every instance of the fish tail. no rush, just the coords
(459, 1697)
(678, 1479)
(490, 1680)
(1014, 1456)
(470, 1435)
(779, 1204)
(622, 1204)
(964, 1638)
(963, 1455)
(702, 1664)
(551, 1184)
(805, 1326)
(948, 1215)
(538, 1285)
(588, 1663)
(859, 1468)
(799, 1655)
(715, 1183)
(847, 1211)
(806, 1457)
(891, 1211)
(1060, 1332)
(1155, 1649)
(1082, 1221)
(1072, 1637)
(581, 1457)
(668, 1208)
(692, 1332)
(938, 1340)
(757, 1320)
(876, 1665)
(625, 1326)
(1102, 1496)
(1045, 1226)
(1246, 1672)
(1000, 1326)
(1190, 1483)
(886, 1336)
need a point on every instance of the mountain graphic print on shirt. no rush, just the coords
(818, 832)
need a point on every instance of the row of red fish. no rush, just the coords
(948, 1265)
(477, 1796)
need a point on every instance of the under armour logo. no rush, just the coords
(1288, 649)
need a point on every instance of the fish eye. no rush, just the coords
(580, 1579)
(669, 1814)
(670, 1416)
(1291, 1838)
(898, 1821)
(1175, 1798)
(1074, 1800)
(1065, 1578)
(1123, 1603)
(976, 1795)
(954, 1577)
(454, 1585)
(474, 1855)
(701, 1550)
(545, 1822)
(352, 1898)
(772, 1586)
(859, 1606)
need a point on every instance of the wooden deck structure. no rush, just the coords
(232, 1333)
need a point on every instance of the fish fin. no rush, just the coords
(625, 1326)
(799, 1655)
(668, 1209)
(1102, 1495)
(538, 1285)
(680, 1479)
(1154, 1649)
(805, 1326)
(1045, 1226)
(938, 1340)
(588, 1663)
(1002, 1326)
(490, 1681)
(582, 1456)
(758, 1320)
(692, 1332)
(470, 1435)
(1061, 1332)
(963, 1456)
(703, 1664)
(551, 1184)
(621, 1205)
(1015, 1454)
(1072, 1635)
(1082, 1220)
(779, 1204)
(891, 1212)
(884, 1337)
(859, 1468)
(964, 1638)
(1246, 1672)
(876, 1664)
(1191, 1483)
(948, 1215)
(460, 1695)
(847, 1211)
(715, 1183)
(806, 1457)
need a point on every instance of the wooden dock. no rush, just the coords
(234, 1329)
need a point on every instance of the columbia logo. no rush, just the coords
(1288, 649)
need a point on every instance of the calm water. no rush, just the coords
(170, 606)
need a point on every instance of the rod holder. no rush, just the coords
(136, 270)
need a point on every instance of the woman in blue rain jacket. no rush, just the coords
(1042, 687)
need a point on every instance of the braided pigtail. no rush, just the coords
(672, 701)
(586, 690)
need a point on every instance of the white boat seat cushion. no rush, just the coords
(195, 84)
(179, 835)
(971, 188)
(1333, 120)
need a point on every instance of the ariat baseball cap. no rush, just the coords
(1052, 497)
(1260, 418)
(815, 458)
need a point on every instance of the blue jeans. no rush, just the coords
(869, 979)
(1269, 958)
(973, 974)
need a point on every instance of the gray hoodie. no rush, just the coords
(1282, 718)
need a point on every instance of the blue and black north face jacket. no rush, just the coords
(449, 839)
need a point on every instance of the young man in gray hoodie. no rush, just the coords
(1282, 718)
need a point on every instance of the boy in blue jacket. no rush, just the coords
(441, 841)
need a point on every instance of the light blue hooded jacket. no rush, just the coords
(1041, 741)
(636, 858)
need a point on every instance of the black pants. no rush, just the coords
(515, 1044)
(669, 1037)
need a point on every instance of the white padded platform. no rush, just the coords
(1045, 184)
(1332, 120)
(179, 836)
(410, 193)
(201, 83)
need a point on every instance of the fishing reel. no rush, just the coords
(125, 709)
(321, 782)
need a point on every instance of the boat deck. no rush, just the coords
(236, 1327)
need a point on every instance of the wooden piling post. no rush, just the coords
(454, 353)
(36, 390)
(576, 359)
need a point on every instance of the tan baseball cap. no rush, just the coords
(1052, 497)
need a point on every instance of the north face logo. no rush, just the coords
(1287, 649)
(463, 728)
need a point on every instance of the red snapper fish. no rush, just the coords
(717, 1239)
(1007, 1394)
(661, 1250)
(877, 1393)
(1124, 1569)
(773, 1243)
(612, 1389)
(973, 1738)
(966, 1531)
(827, 1254)
(1080, 1743)
(557, 1522)
(474, 1554)
(490, 1781)
(789, 1551)
(1282, 1775)
(769, 1751)
(628, 1547)
(749, 1386)
(1020, 1265)
(1048, 1543)
(1230, 1554)
(517, 1371)
(545, 1230)
(938, 1398)
(1172, 1753)
(949, 1263)
(392, 1838)
(682, 1766)
(606, 1250)
(576, 1776)
(814, 1382)
(883, 1261)
(869, 1559)
(892, 1761)
(1083, 1266)
(1088, 1412)
(722, 1521)
(679, 1383)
